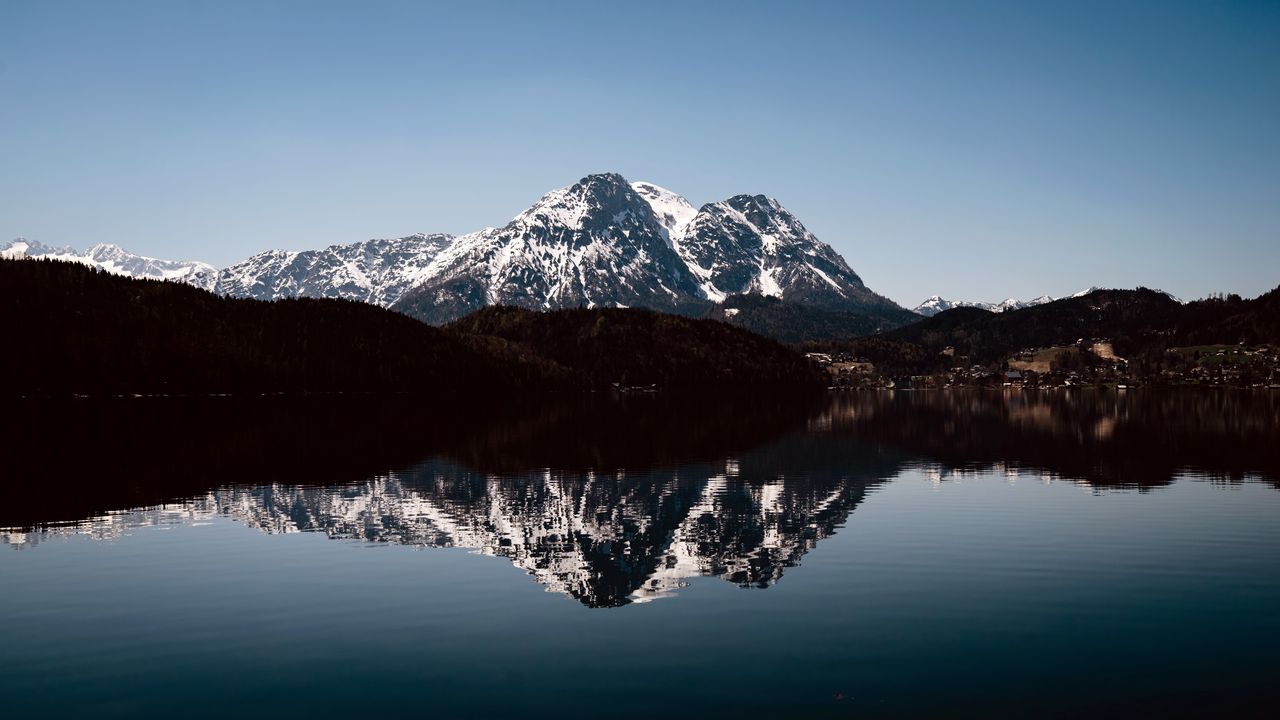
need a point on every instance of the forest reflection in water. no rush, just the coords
(607, 499)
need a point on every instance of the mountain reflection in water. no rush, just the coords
(608, 500)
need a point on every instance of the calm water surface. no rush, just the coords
(865, 555)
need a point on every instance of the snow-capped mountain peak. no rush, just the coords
(1094, 288)
(600, 242)
(672, 210)
(21, 247)
(596, 243)
(117, 260)
(752, 244)
(935, 304)
(567, 207)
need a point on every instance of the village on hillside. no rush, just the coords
(1087, 363)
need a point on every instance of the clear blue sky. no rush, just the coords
(976, 150)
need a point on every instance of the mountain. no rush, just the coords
(606, 242)
(750, 244)
(596, 243)
(600, 242)
(118, 261)
(935, 304)
(374, 271)
(674, 213)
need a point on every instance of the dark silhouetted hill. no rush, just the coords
(795, 322)
(641, 347)
(1139, 323)
(76, 330)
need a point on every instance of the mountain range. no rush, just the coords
(118, 261)
(600, 242)
(936, 304)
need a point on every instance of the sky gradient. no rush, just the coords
(973, 150)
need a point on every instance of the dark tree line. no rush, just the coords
(796, 322)
(71, 329)
(1141, 324)
(641, 347)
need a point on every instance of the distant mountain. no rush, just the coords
(935, 304)
(118, 261)
(372, 271)
(600, 242)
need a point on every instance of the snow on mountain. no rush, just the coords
(596, 243)
(1095, 288)
(605, 242)
(601, 242)
(375, 271)
(935, 304)
(751, 244)
(672, 210)
(118, 261)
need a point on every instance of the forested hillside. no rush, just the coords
(1140, 324)
(72, 329)
(642, 347)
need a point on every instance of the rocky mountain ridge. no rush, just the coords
(935, 304)
(116, 260)
(600, 242)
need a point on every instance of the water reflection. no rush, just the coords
(1137, 439)
(611, 500)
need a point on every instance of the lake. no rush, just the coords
(872, 554)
